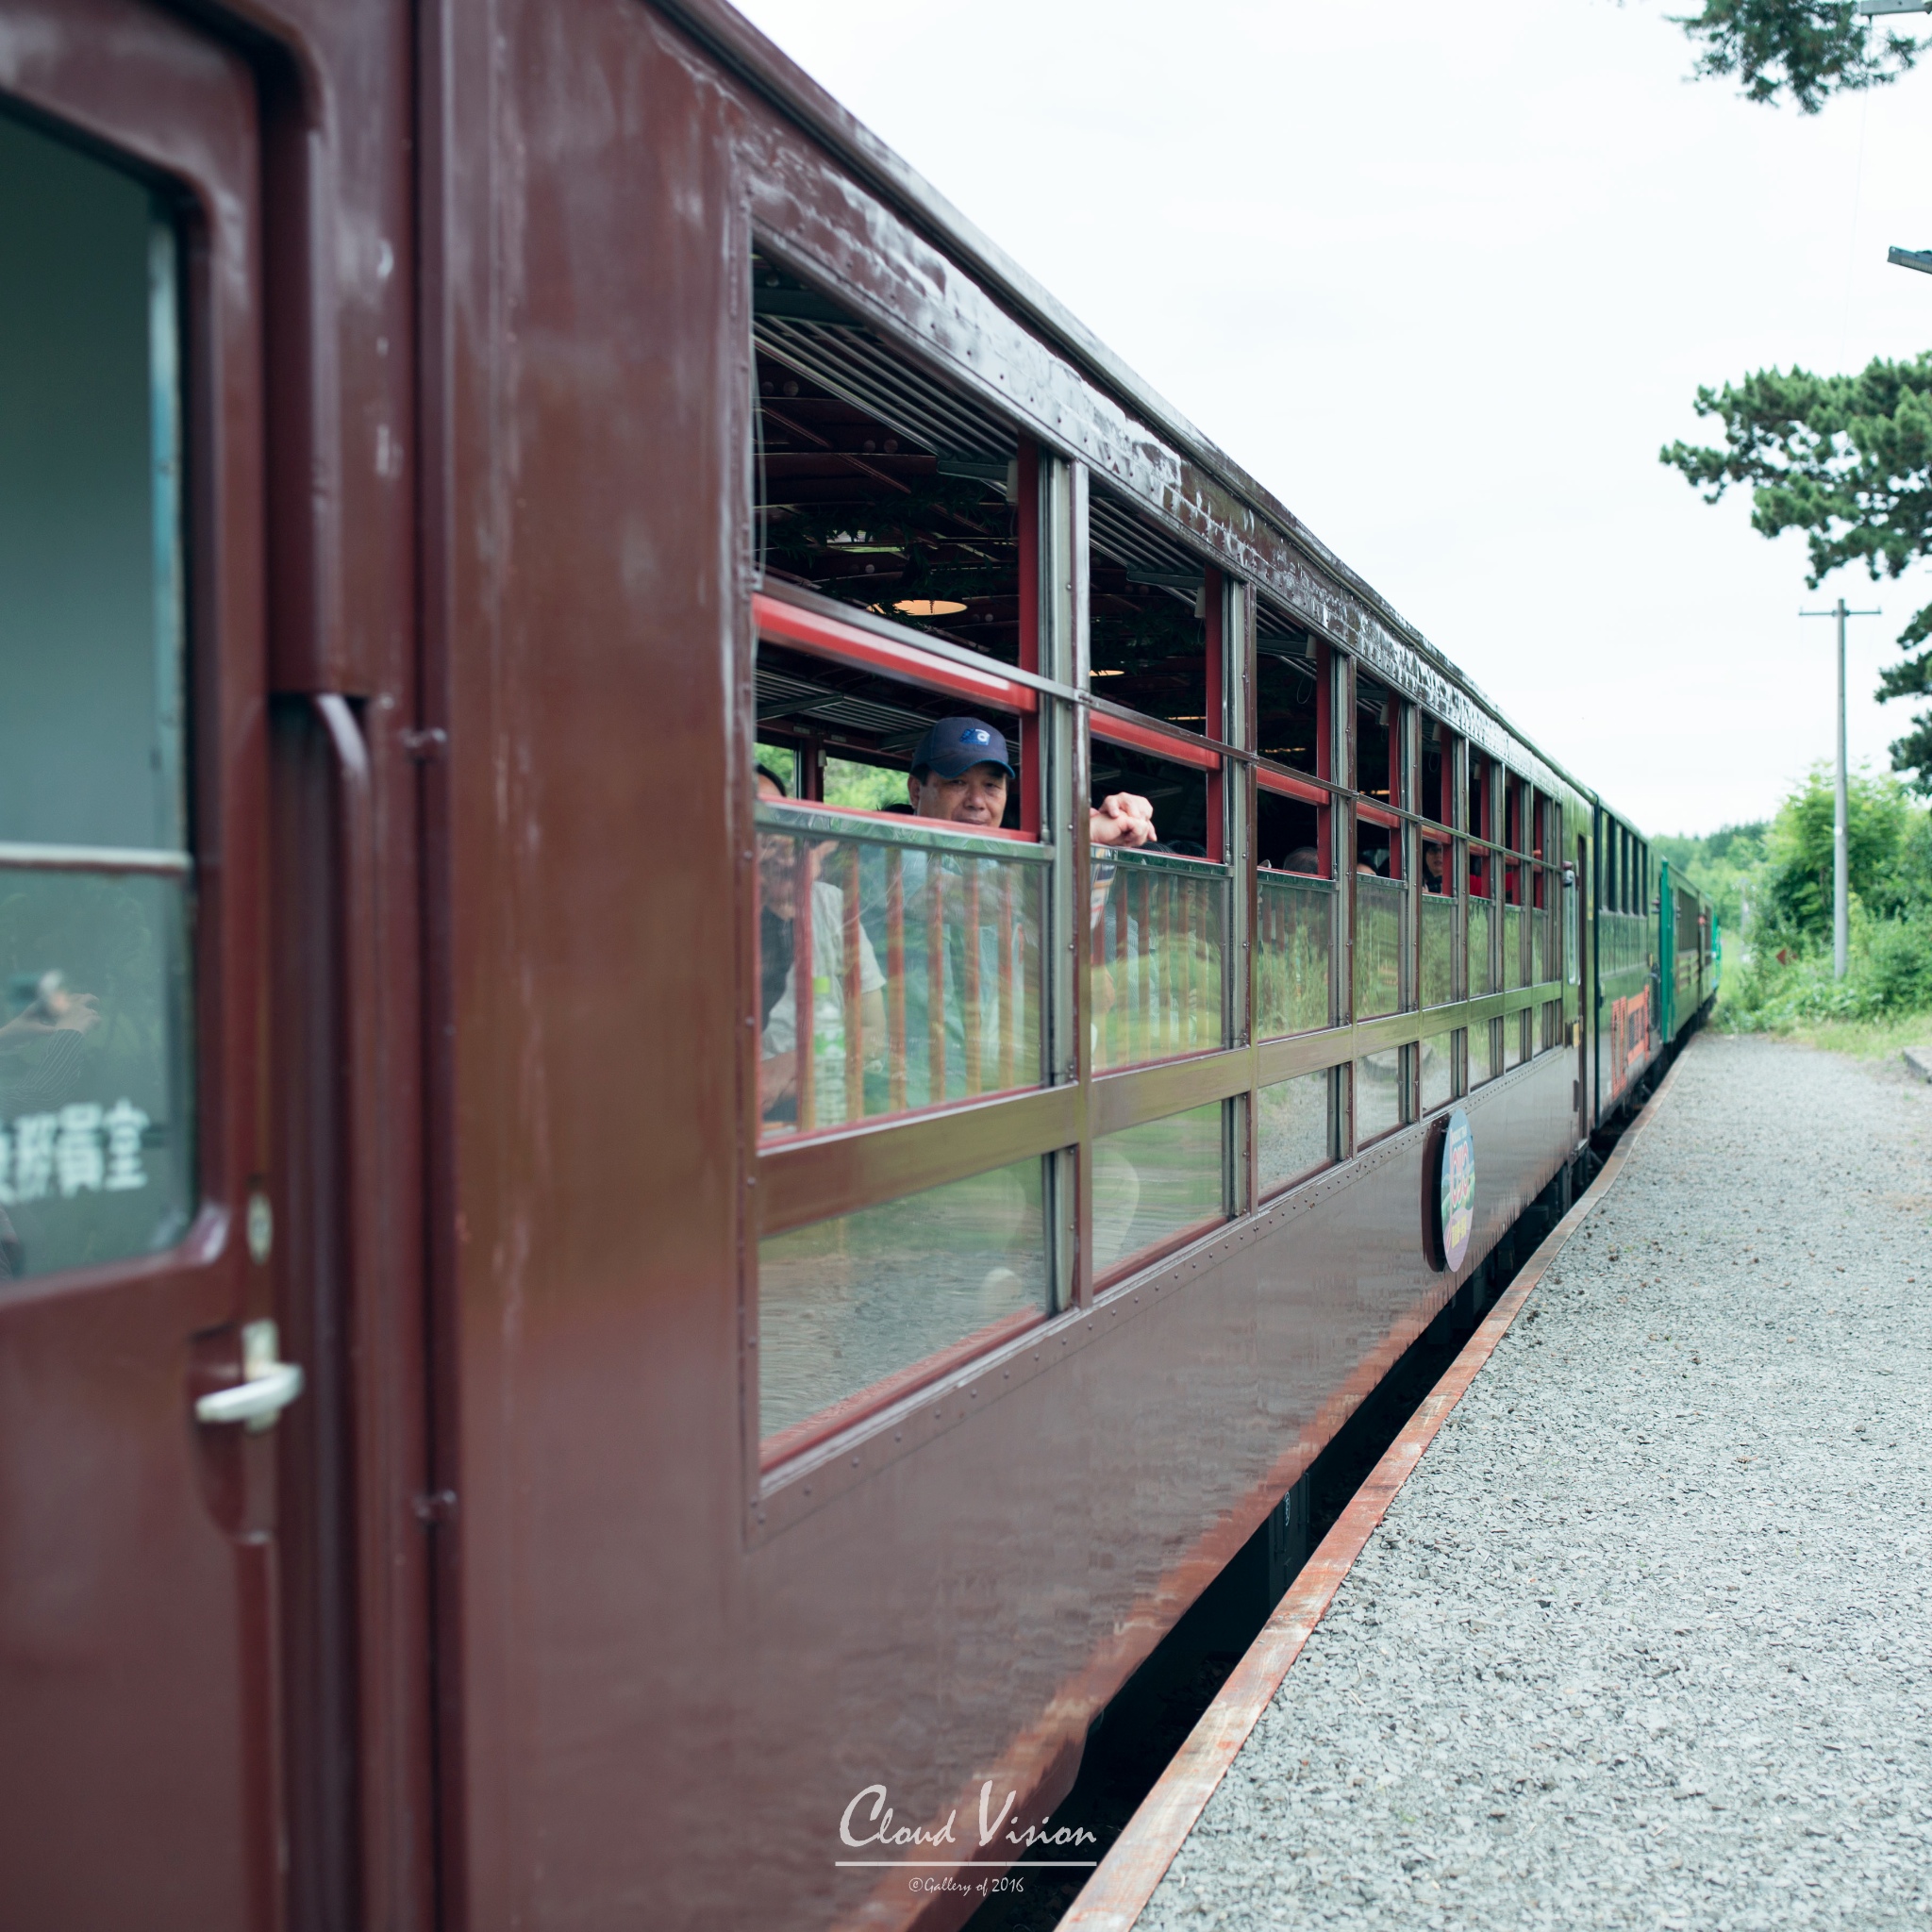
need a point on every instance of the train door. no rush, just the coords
(140, 1380)
(1576, 885)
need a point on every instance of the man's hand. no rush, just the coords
(56, 1010)
(777, 1079)
(1122, 818)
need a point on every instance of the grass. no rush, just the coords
(1882, 1038)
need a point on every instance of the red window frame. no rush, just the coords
(821, 635)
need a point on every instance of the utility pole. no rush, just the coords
(1841, 859)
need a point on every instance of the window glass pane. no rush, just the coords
(1438, 950)
(1480, 976)
(1484, 1051)
(1512, 948)
(1516, 1037)
(1297, 920)
(1378, 1095)
(1157, 942)
(1540, 931)
(1378, 918)
(96, 1108)
(853, 1310)
(90, 630)
(1438, 1071)
(1294, 1129)
(926, 975)
(1155, 1183)
(96, 1151)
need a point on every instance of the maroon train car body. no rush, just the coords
(524, 419)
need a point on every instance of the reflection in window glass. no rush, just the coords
(1153, 1183)
(1157, 939)
(90, 621)
(1438, 950)
(1516, 1038)
(925, 980)
(1438, 1071)
(96, 1110)
(1378, 918)
(1378, 1098)
(1512, 948)
(1294, 1129)
(1481, 978)
(1484, 1051)
(97, 1154)
(853, 1310)
(1296, 921)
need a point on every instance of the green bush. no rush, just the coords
(1888, 972)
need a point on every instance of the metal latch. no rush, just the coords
(267, 1387)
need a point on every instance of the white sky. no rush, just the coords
(1444, 277)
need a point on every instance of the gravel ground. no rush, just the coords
(1643, 1642)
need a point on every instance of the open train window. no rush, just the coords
(1154, 613)
(1378, 741)
(878, 484)
(1436, 788)
(845, 734)
(1290, 833)
(1290, 696)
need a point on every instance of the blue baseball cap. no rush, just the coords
(954, 745)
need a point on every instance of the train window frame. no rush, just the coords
(1483, 836)
(895, 1153)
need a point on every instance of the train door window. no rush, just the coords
(1158, 916)
(1295, 1129)
(97, 1096)
(1295, 907)
(1155, 1187)
(854, 1310)
(1153, 619)
(877, 484)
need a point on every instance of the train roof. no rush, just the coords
(729, 36)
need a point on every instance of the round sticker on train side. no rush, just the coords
(1455, 1185)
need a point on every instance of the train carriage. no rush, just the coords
(596, 1290)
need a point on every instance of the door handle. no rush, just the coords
(267, 1387)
